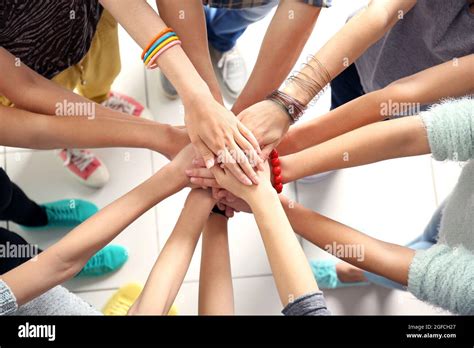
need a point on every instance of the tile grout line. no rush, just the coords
(92, 290)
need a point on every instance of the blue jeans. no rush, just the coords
(423, 242)
(225, 26)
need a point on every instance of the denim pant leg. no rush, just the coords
(423, 242)
(225, 26)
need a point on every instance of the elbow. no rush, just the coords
(383, 17)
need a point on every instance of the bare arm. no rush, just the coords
(66, 258)
(376, 142)
(448, 80)
(170, 268)
(34, 131)
(284, 40)
(290, 268)
(187, 17)
(269, 122)
(386, 259)
(215, 281)
(359, 33)
(211, 127)
(95, 126)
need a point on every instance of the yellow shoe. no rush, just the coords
(123, 299)
(173, 310)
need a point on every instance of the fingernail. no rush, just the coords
(256, 180)
(210, 163)
(188, 172)
(248, 181)
(194, 161)
(193, 180)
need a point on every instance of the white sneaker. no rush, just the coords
(85, 167)
(232, 70)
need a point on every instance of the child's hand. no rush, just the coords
(184, 162)
(225, 179)
(178, 140)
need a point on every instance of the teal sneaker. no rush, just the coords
(107, 260)
(66, 213)
(325, 274)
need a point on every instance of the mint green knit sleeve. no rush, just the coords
(450, 127)
(444, 276)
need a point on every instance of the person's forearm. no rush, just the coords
(290, 268)
(376, 142)
(389, 260)
(352, 115)
(64, 259)
(170, 268)
(216, 295)
(448, 80)
(357, 35)
(187, 19)
(284, 40)
(34, 131)
(143, 24)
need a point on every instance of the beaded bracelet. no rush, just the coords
(276, 170)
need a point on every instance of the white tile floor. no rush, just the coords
(392, 200)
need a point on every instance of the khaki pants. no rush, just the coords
(93, 76)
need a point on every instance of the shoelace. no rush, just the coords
(95, 261)
(229, 60)
(62, 213)
(80, 159)
(117, 103)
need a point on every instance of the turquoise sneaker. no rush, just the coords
(107, 260)
(325, 273)
(66, 213)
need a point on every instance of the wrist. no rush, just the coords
(295, 92)
(176, 174)
(286, 169)
(260, 195)
(194, 97)
(292, 107)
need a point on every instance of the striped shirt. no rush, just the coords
(236, 4)
(48, 35)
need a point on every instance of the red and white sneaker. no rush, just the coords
(85, 167)
(128, 105)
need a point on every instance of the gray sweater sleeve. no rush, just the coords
(312, 304)
(7, 299)
(444, 277)
(450, 127)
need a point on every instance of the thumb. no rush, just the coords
(206, 153)
(267, 149)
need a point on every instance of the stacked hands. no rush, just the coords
(228, 153)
